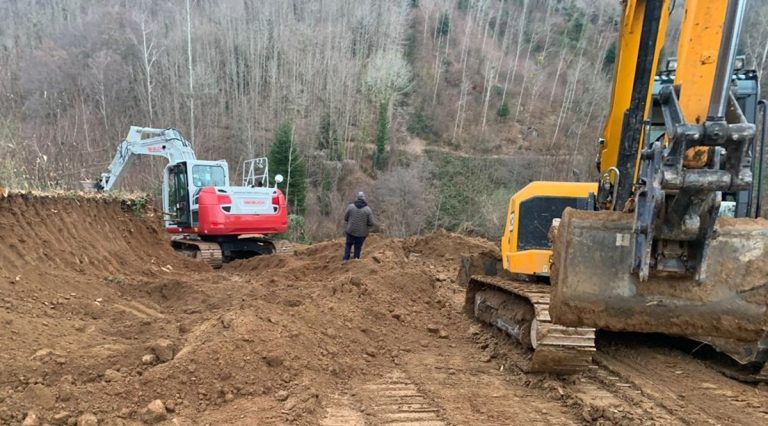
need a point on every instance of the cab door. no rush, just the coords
(179, 202)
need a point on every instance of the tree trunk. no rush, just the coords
(521, 32)
(191, 85)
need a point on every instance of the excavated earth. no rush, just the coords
(102, 323)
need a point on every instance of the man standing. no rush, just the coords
(359, 221)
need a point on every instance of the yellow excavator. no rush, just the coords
(646, 248)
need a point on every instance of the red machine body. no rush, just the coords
(223, 213)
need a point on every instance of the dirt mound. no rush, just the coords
(95, 235)
(444, 245)
(82, 281)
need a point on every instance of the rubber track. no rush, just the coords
(208, 252)
(557, 349)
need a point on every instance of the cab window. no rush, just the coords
(536, 216)
(208, 176)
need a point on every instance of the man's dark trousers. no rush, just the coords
(357, 242)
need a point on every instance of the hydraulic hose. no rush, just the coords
(761, 157)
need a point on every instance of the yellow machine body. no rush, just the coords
(525, 247)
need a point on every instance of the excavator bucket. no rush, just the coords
(593, 285)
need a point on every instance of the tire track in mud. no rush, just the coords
(446, 385)
(393, 400)
(688, 389)
(638, 383)
(398, 401)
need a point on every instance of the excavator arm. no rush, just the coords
(643, 25)
(674, 184)
(658, 258)
(166, 143)
(706, 150)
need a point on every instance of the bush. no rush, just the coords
(472, 192)
(503, 111)
(403, 199)
(297, 230)
(420, 124)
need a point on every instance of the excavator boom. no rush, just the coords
(659, 259)
(166, 143)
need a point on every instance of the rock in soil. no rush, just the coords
(164, 349)
(61, 418)
(112, 376)
(155, 412)
(149, 359)
(88, 419)
(31, 419)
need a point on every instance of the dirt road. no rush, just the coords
(102, 321)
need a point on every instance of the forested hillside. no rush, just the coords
(439, 108)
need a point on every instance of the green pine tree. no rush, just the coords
(610, 57)
(444, 24)
(379, 156)
(284, 152)
(503, 111)
(328, 139)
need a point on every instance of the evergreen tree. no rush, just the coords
(609, 58)
(284, 156)
(444, 24)
(328, 139)
(324, 193)
(379, 159)
(503, 111)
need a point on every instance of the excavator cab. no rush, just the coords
(525, 246)
(182, 185)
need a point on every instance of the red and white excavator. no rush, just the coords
(210, 219)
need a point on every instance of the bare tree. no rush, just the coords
(404, 200)
(191, 75)
(148, 56)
